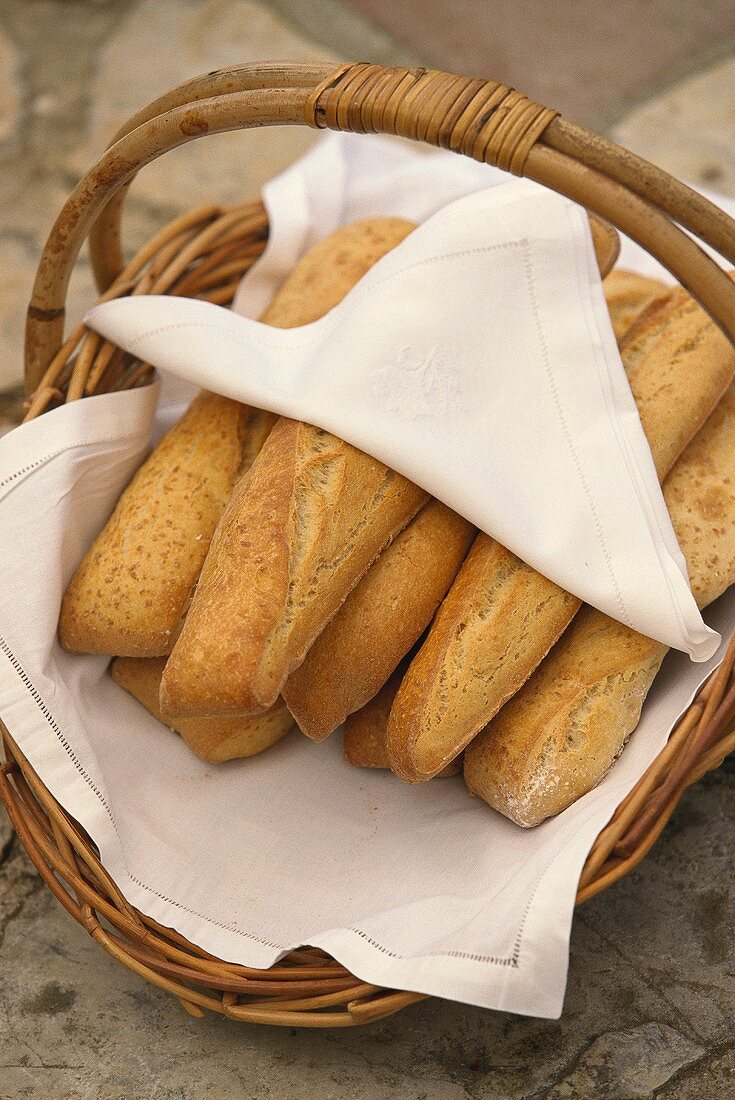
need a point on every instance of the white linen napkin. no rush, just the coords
(477, 359)
(415, 887)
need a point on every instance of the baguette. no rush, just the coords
(628, 295)
(365, 730)
(677, 375)
(297, 535)
(212, 739)
(558, 737)
(500, 617)
(131, 590)
(379, 622)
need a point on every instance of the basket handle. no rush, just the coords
(482, 119)
(105, 243)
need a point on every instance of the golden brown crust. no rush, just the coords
(645, 330)
(365, 731)
(497, 622)
(700, 495)
(131, 591)
(678, 378)
(297, 535)
(627, 295)
(500, 617)
(299, 532)
(379, 621)
(212, 739)
(246, 567)
(562, 732)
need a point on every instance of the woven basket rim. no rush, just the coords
(204, 253)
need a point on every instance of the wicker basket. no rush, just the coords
(204, 254)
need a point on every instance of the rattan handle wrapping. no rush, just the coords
(482, 119)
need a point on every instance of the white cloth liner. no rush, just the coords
(410, 887)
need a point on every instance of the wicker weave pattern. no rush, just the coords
(204, 254)
(201, 255)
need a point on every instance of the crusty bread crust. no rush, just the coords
(562, 732)
(212, 739)
(132, 589)
(500, 618)
(379, 621)
(627, 295)
(678, 379)
(558, 737)
(365, 731)
(700, 495)
(299, 532)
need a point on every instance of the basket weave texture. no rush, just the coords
(204, 254)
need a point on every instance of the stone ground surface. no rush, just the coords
(603, 54)
(649, 1010)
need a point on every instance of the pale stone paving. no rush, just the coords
(689, 130)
